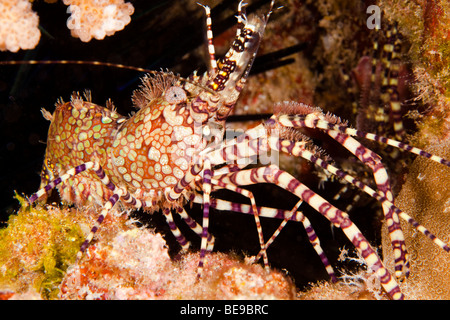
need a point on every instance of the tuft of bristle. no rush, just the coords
(87, 95)
(76, 100)
(110, 105)
(153, 86)
(301, 109)
(59, 102)
(47, 115)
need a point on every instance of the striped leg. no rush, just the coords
(391, 62)
(297, 150)
(354, 200)
(278, 230)
(391, 212)
(284, 215)
(383, 184)
(117, 194)
(314, 118)
(246, 147)
(191, 223)
(207, 174)
(52, 184)
(312, 237)
(233, 187)
(175, 193)
(272, 174)
(369, 158)
(314, 121)
(371, 93)
(174, 229)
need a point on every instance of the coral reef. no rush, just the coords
(137, 266)
(337, 291)
(38, 248)
(426, 192)
(312, 78)
(425, 26)
(426, 196)
(18, 26)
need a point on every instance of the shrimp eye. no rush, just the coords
(175, 95)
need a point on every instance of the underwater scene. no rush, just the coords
(288, 150)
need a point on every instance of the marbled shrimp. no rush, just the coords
(172, 151)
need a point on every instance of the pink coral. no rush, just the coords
(131, 267)
(136, 265)
(97, 18)
(18, 25)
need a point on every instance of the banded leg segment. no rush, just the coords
(314, 118)
(117, 194)
(312, 237)
(314, 121)
(174, 229)
(285, 215)
(233, 187)
(245, 147)
(207, 174)
(381, 177)
(195, 227)
(396, 234)
(176, 192)
(69, 174)
(272, 174)
(390, 80)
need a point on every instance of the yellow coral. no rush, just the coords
(18, 25)
(97, 18)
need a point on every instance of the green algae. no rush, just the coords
(36, 248)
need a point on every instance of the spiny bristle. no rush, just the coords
(59, 102)
(292, 134)
(87, 95)
(47, 115)
(153, 86)
(110, 105)
(335, 119)
(294, 108)
(76, 100)
(319, 152)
